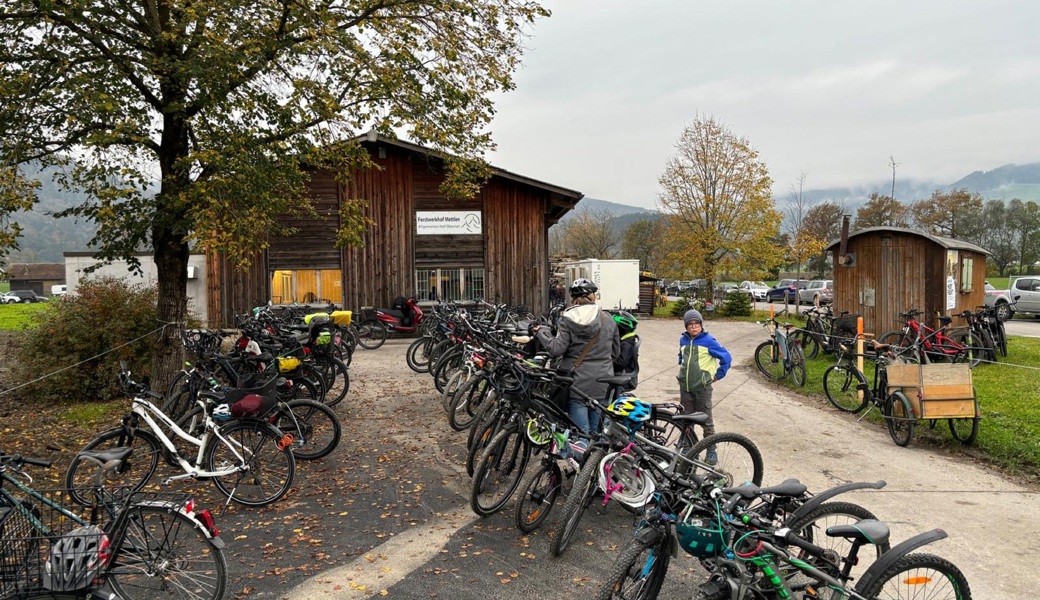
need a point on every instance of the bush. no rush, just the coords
(736, 304)
(680, 306)
(80, 334)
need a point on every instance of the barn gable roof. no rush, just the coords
(945, 242)
(36, 271)
(563, 200)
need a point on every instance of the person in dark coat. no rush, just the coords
(584, 328)
(627, 363)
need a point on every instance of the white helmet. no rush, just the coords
(621, 477)
(222, 412)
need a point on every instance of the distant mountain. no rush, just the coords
(595, 204)
(1004, 183)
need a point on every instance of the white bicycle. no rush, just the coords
(249, 460)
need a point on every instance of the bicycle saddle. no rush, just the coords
(618, 380)
(945, 320)
(789, 487)
(692, 418)
(119, 454)
(867, 531)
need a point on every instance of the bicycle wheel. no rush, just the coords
(371, 334)
(467, 402)
(972, 352)
(538, 493)
(418, 354)
(458, 378)
(266, 468)
(807, 339)
(990, 352)
(303, 389)
(336, 378)
(499, 470)
(164, 554)
(481, 441)
(585, 486)
(178, 396)
(918, 576)
(769, 361)
(813, 525)
(446, 367)
(736, 460)
(846, 388)
(135, 472)
(964, 430)
(314, 426)
(637, 573)
(437, 351)
(798, 375)
(901, 419)
(1000, 338)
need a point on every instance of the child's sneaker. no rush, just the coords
(711, 457)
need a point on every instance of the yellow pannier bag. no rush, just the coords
(287, 365)
(342, 317)
(307, 318)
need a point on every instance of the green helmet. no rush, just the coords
(625, 321)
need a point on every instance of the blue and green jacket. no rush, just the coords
(701, 359)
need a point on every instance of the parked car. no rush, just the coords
(1024, 292)
(756, 289)
(787, 290)
(59, 290)
(24, 296)
(724, 289)
(817, 291)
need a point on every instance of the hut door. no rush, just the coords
(890, 287)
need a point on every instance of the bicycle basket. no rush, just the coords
(845, 329)
(200, 341)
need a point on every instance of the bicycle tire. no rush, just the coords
(813, 525)
(371, 334)
(161, 552)
(738, 460)
(1000, 338)
(480, 442)
(467, 402)
(899, 415)
(418, 354)
(797, 372)
(810, 345)
(336, 378)
(446, 368)
(178, 396)
(972, 352)
(537, 495)
(437, 351)
(769, 361)
(585, 486)
(499, 471)
(966, 437)
(842, 384)
(315, 428)
(642, 563)
(455, 383)
(990, 353)
(137, 470)
(258, 442)
(913, 574)
(304, 389)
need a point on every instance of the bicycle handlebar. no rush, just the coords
(19, 459)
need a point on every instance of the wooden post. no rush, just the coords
(859, 348)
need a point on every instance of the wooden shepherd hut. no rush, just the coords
(493, 246)
(888, 270)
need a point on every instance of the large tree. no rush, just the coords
(1024, 219)
(805, 244)
(718, 192)
(823, 222)
(955, 214)
(193, 121)
(881, 211)
(642, 240)
(998, 236)
(587, 233)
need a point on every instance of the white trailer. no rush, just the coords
(618, 280)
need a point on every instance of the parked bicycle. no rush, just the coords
(249, 460)
(935, 345)
(781, 355)
(847, 389)
(138, 545)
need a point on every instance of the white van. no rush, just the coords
(58, 290)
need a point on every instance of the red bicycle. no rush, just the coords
(935, 345)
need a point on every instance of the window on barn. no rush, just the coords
(967, 267)
(446, 285)
(307, 286)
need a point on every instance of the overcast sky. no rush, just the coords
(824, 87)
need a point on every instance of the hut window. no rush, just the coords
(967, 267)
(446, 285)
(307, 286)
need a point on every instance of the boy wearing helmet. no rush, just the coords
(702, 361)
(627, 363)
(587, 339)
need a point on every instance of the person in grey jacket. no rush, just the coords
(578, 325)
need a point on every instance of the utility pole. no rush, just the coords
(892, 162)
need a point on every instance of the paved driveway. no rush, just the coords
(416, 537)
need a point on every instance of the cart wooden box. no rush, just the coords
(936, 391)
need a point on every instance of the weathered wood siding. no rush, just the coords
(314, 246)
(235, 290)
(380, 270)
(443, 250)
(515, 244)
(900, 271)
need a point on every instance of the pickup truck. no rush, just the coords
(1023, 292)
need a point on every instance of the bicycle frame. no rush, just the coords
(146, 410)
(15, 503)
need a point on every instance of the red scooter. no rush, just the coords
(404, 317)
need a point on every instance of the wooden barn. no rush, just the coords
(494, 246)
(889, 270)
(38, 277)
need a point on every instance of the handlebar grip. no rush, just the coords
(793, 539)
(36, 461)
(731, 504)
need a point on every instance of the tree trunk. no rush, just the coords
(171, 260)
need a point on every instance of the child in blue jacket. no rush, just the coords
(702, 361)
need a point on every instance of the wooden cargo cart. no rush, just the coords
(937, 392)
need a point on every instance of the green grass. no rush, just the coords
(94, 412)
(1009, 433)
(15, 317)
